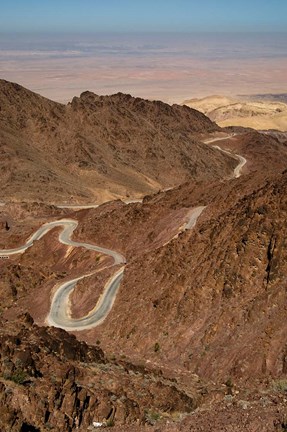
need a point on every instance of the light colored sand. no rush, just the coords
(209, 103)
(259, 123)
(231, 112)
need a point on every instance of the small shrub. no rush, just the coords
(110, 422)
(280, 385)
(151, 417)
(156, 347)
(19, 377)
(229, 385)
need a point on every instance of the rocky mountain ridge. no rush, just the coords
(99, 147)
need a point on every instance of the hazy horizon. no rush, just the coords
(153, 49)
(166, 66)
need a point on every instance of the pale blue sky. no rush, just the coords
(142, 15)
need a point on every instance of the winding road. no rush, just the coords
(59, 315)
(242, 161)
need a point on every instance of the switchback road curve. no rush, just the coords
(242, 161)
(59, 316)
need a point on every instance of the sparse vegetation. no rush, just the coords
(110, 422)
(156, 347)
(18, 377)
(151, 417)
(280, 385)
(229, 385)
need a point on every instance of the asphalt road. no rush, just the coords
(242, 161)
(89, 206)
(59, 315)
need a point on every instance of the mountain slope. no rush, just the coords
(214, 298)
(196, 337)
(99, 147)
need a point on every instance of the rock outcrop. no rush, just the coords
(51, 381)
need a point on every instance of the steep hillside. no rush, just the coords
(201, 319)
(50, 381)
(99, 147)
(213, 299)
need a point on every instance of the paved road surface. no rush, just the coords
(59, 316)
(242, 161)
(89, 206)
(59, 313)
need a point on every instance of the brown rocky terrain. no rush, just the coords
(50, 381)
(219, 334)
(99, 147)
(214, 308)
(244, 246)
(196, 338)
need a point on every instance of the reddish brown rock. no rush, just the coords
(99, 147)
